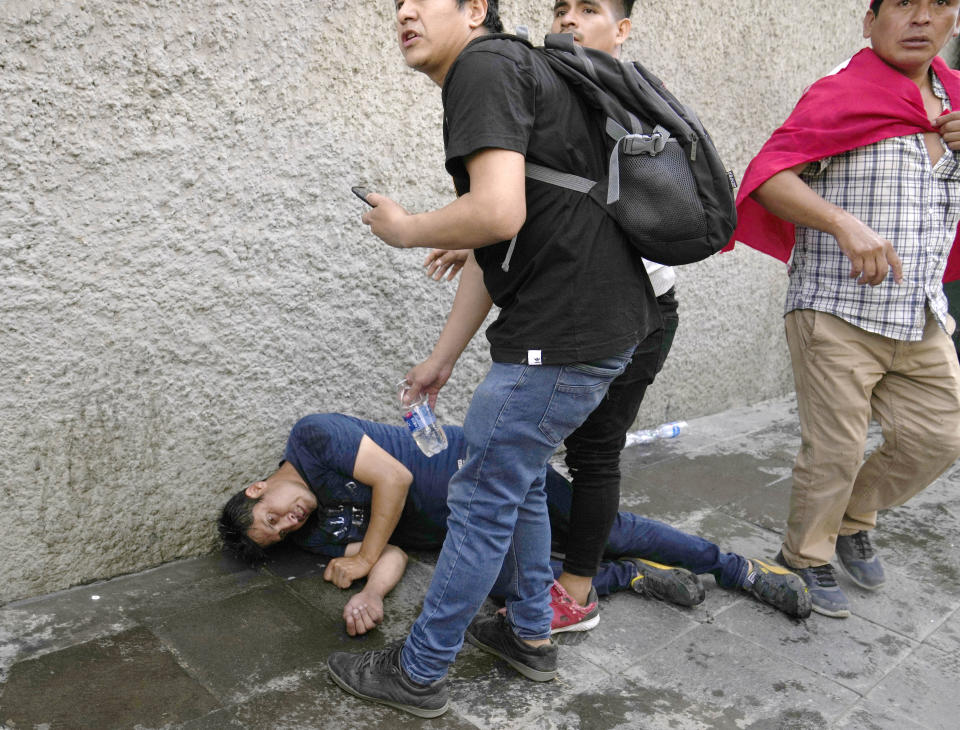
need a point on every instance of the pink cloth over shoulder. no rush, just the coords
(863, 103)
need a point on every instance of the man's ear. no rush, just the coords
(623, 30)
(478, 12)
(255, 490)
(868, 23)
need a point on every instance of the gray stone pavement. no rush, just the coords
(205, 643)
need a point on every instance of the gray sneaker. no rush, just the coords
(377, 676)
(859, 560)
(825, 595)
(495, 636)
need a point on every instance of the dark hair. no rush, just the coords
(875, 6)
(235, 520)
(627, 7)
(492, 22)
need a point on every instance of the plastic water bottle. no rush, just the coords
(663, 431)
(419, 417)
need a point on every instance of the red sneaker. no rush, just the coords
(568, 615)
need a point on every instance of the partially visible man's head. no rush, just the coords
(432, 33)
(235, 520)
(908, 34)
(600, 24)
(265, 512)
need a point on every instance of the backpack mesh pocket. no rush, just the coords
(658, 197)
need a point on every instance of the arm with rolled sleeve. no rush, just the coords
(871, 257)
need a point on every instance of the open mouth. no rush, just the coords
(408, 37)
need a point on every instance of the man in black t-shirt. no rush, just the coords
(593, 449)
(574, 300)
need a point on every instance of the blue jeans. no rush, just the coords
(635, 536)
(498, 530)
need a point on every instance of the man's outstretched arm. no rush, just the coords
(364, 611)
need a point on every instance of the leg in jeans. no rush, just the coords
(593, 452)
(498, 517)
(635, 536)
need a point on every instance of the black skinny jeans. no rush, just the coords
(593, 450)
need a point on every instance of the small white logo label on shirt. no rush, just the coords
(534, 357)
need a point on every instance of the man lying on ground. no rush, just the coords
(360, 492)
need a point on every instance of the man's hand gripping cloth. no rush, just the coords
(860, 104)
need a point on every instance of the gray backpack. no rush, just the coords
(666, 185)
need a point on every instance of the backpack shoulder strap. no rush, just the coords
(503, 36)
(622, 91)
(579, 69)
(555, 177)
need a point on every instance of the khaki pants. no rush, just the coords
(844, 375)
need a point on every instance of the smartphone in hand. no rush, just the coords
(361, 192)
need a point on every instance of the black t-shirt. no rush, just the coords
(575, 289)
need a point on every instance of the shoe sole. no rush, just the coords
(579, 626)
(656, 591)
(537, 675)
(654, 587)
(857, 582)
(801, 610)
(838, 613)
(412, 709)
(804, 602)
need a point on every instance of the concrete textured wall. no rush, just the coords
(183, 272)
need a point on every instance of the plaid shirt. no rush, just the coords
(890, 186)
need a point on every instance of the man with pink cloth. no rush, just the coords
(860, 191)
